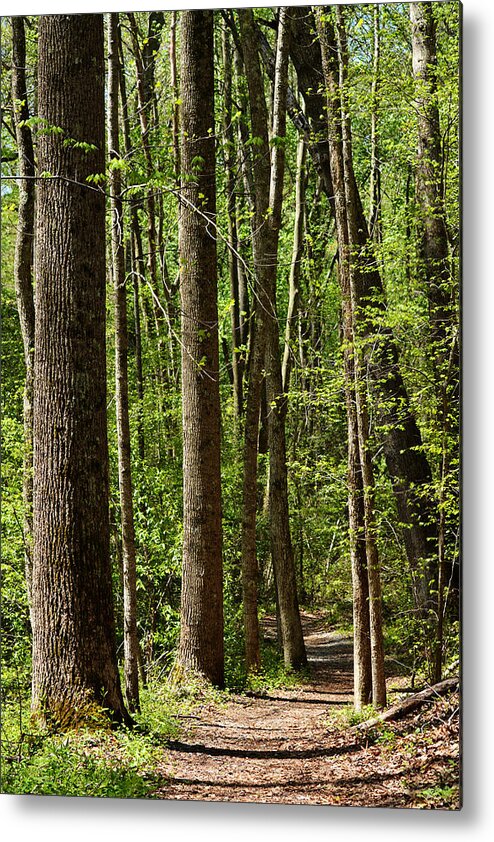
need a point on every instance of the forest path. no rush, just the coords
(275, 748)
(288, 746)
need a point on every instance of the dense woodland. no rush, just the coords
(231, 364)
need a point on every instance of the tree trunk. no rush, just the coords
(406, 462)
(362, 415)
(435, 269)
(375, 173)
(23, 271)
(237, 356)
(201, 638)
(295, 266)
(131, 645)
(175, 106)
(161, 315)
(268, 180)
(360, 582)
(74, 650)
(434, 250)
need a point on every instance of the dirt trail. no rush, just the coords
(281, 748)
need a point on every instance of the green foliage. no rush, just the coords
(274, 673)
(316, 420)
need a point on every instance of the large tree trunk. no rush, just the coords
(23, 269)
(74, 648)
(131, 646)
(201, 639)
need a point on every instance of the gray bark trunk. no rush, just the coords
(295, 266)
(201, 635)
(74, 649)
(360, 582)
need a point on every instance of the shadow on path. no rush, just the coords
(263, 754)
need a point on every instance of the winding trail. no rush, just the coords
(270, 748)
(284, 748)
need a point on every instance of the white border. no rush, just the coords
(57, 819)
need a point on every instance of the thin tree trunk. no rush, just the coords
(23, 274)
(268, 194)
(75, 672)
(259, 195)
(137, 258)
(131, 646)
(375, 173)
(360, 582)
(295, 266)
(362, 416)
(174, 87)
(237, 366)
(406, 462)
(201, 636)
(160, 314)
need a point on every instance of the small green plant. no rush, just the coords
(274, 673)
(440, 796)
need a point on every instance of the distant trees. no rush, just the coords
(23, 270)
(435, 269)
(74, 648)
(268, 180)
(131, 643)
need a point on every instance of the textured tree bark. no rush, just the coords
(23, 270)
(131, 645)
(201, 636)
(74, 649)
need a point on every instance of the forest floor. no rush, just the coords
(299, 745)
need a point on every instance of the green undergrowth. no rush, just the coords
(273, 673)
(106, 763)
(113, 763)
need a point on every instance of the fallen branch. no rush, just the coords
(407, 705)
